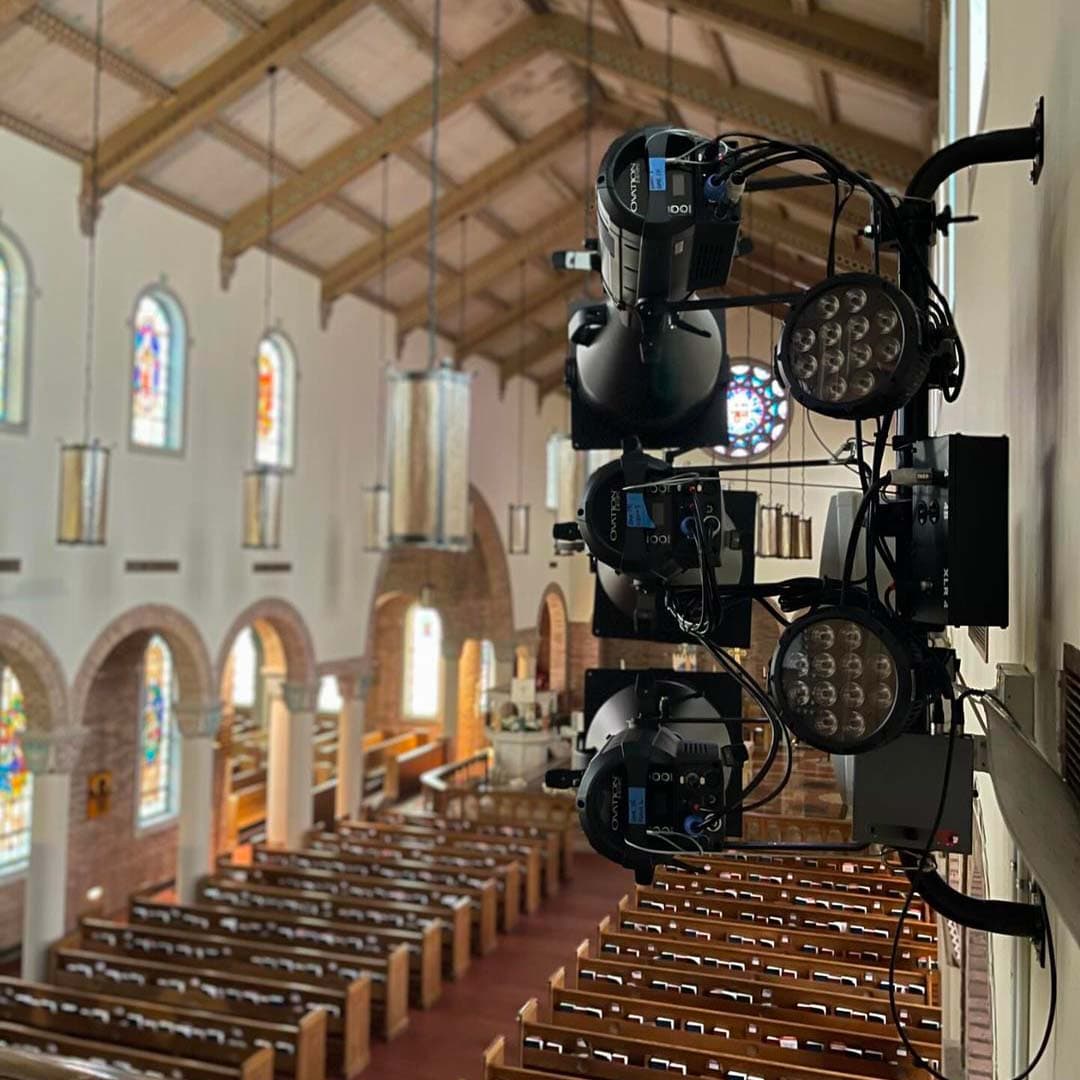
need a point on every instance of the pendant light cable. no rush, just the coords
(521, 387)
(385, 364)
(91, 245)
(271, 168)
(433, 215)
(463, 270)
(750, 231)
(588, 185)
(668, 60)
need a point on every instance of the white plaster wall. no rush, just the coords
(188, 508)
(1018, 271)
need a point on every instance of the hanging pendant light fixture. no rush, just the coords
(517, 532)
(772, 542)
(263, 485)
(805, 546)
(84, 465)
(428, 411)
(376, 498)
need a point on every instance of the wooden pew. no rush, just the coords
(360, 993)
(561, 1049)
(291, 926)
(506, 849)
(348, 1025)
(550, 840)
(299, 1048)
(258, 1066)
(730, 991)
(778, 942)
(354, 874)
(871, 980)
(412, 764)
(599, 1005)
(454, 869)
(715, 904)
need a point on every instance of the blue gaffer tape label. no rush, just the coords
(657, 174)
(637, 513)
(636, 805)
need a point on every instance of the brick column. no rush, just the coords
(504, 663)
(51, 758)
(198, 726)
(350, 747)
(451, 653)
(289, 766)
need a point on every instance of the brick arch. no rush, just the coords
(554, 645)
(191, 658)
(40, 674)
(472, 589)
(291, 630)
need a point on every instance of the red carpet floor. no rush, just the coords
(445, 1042)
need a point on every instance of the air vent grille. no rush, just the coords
(1070, 718)
(980, 637)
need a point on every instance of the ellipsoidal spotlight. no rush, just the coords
(844, 681)
(850, 348)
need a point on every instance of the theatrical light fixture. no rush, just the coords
(844, 681)
(851, 348)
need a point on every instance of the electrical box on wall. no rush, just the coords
(960, 532)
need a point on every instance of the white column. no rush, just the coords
(349, 793)
(290, 763)
(51, 758)
(198, 726)
(267, 691)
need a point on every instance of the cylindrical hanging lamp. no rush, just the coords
(428, 454)
(768, 531)
(517, 532)
(262, 508)
(376, 510)
(84, 489)
(84, 465)
(805, 536)
(789, 535)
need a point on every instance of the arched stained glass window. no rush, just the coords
(157, 372)
(15, 778)
(757, 411)
(275, 397)
(245, 669)
(156, 751)
(16, 294)
(423, 663)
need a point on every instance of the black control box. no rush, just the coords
(960, 533)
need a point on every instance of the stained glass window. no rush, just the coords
(157, 373)
(757, 408)
(15, 778)
(245, 668)
(156, 757)
(5, 316)
(423, 663)
(274, 403)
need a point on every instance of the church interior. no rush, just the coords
(479, 599)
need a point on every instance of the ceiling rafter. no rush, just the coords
(11, 11)
(410, 234)
(771, 226)
(549, 384)
(550, 290)
(543, 236)
(692, 84)
(287, 34)
(540, 349)
(832, 42)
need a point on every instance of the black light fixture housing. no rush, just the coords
(845, 681)
(852, 348)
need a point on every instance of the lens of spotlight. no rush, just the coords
(861, 689)
(863, 335)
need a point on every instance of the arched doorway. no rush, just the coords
(551, 656)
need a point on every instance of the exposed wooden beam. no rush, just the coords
(543, 236)
(286, 35)
(541, 349)
(410, 234)
(797, 274)
(832, 42)
(233, 11)
(13, 10)
(556, 286)
(391, 133)
(549, 384)
(771, 226)
(617, 10)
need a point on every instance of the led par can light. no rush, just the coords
(851, 348)
(844, 681)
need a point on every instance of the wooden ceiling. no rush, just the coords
(185, 120)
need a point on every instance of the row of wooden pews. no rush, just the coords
(742, 966)
(287, 963)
